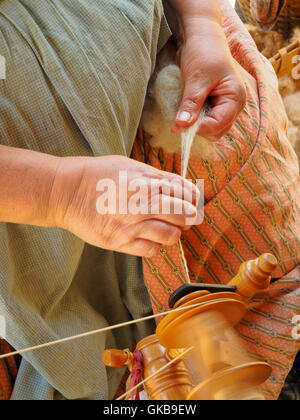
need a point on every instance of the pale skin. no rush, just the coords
(43, 190)
(48, 191)
(207, 65)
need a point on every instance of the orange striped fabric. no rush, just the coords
(252, 201)
(252, 206)
(8, 371)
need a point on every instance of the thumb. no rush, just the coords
(192, 102)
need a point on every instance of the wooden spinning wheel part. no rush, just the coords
(186, 299)
(197, 343)
(172, 328)
(203, 296)
(193, 299)
(254, 275)
(117, 358)
(174, 382)
(233, 383)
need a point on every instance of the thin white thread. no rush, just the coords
(187, 139)
(86, 334)
(184, 261)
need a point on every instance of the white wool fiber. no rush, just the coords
(187, 139)
(160, 110)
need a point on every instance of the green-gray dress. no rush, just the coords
(77, 73)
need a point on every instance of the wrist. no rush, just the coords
(187, 17)
(212, 15)
(66, 182)
(199, 26)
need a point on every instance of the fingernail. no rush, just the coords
(184, 116)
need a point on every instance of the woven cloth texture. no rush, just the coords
(73, 88)
(252, 204)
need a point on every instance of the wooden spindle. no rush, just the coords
(255, 275)
(117, 358)
(174, 382)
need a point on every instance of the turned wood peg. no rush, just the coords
(117, 358)
(255, 275)
(174, 382)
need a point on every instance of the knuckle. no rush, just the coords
(196, 75)
(151, 250)
(174, 236)
(166, 234)
(197, 194)
(190, 189)
(189, 104)
(112, 234)
(224, 130)
(193, 97)
(241, 94)
(189, 209)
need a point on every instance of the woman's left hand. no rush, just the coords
(209, 70)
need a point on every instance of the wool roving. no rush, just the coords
(291, 100)
(296, 34)
(286, 85)
(162, 104)
(267, 42)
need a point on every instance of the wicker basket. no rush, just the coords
(284, 65)
(289, 18)
(283, 60)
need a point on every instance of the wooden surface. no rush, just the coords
(283, 61)
(173, 383)
(218, 367)
(254, 276)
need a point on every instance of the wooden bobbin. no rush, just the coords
(215, 313)
(170, 329)
(233, 383)
(174, 382)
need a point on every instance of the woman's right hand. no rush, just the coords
(75, 204)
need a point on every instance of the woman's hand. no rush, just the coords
(209, 70)
(112, 202)
(207, 65)
(79, 200)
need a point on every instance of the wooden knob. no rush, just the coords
(255, 275)
(115, 358)
(267, 263)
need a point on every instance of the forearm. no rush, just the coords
(26, 180)
(189, 17)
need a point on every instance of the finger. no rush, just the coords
(179, 188)
(187, 186)
(159, 232)
(173, 210)
(193, 99)
(217, 135)
(141, 248)
(220, 119)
